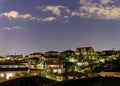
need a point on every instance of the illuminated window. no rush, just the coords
(9, 75)
(84, 53)
(77, 53)
(55, 71)
(1, 75)
(92, 53)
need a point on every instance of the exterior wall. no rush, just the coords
(8, 75)
(9, 58)
(62, 78)
(51, 59)
(86, 54)
(110, 74)
(51, 53)
(13, 57)
(67, 53)
(36, 55)
(92, 54)
(33, 55)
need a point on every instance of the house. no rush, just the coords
(51, 60)
(56, 67)
(34, 59)
(36, 54)
(1, 59)
(70, 75)
(9, 57)
(51, 56)
(51, 65)
(86, 53)
(13, 58)
(111, 72)
(108, 53)
(67, 53)
(13, 73)
(51, 53)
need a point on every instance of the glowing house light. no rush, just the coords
(9, 75)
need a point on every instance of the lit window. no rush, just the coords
(91, 53)
(84, 53)
(1, 75)
(9, 75)
(55, 71)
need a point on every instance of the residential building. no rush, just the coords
(86, 53)
(52, 56)
(36, 54)
(67, 53)
(9, 57)
(70, 75)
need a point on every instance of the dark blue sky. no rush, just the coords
(28, 26)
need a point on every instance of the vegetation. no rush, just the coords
(40, 81)
(95, 81)
(27, 81)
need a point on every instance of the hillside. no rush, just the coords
(41, 81)
(97, 81)
(27, 81)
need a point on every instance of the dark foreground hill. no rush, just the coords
(27, 81)
(40, 81)
(97, 81)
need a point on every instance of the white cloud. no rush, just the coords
(57, 10)
(17, 15)
(77, 13)
(98, 10)
(11, 28)
(12, 14)
(65, 17)
(106, 1)
(25, 16)
(85, 2)
(49, 19)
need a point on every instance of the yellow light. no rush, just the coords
(9, 75)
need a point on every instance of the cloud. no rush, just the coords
(85, 2)
(77, 13)
(49, 19)
(12, 14)
(65, 17)
(12, 28)
(57, 10)
(98, 10)
(104, 2)
(25, 16)
(15, 15)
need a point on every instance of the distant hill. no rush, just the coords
(96, 81)
(27, 81)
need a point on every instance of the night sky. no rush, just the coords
(28, 26)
